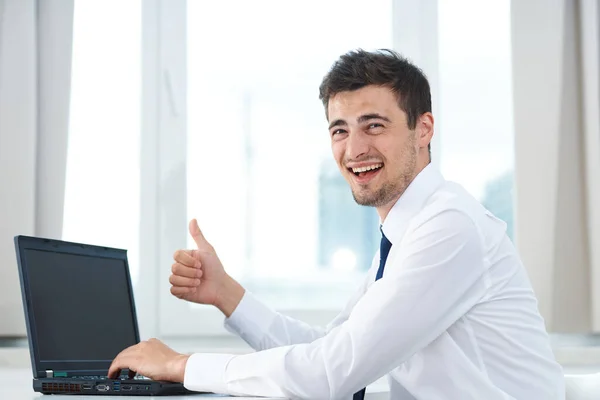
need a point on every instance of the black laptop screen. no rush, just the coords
(81, 306)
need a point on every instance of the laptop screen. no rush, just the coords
(81, 306)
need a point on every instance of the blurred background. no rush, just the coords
(120, 120)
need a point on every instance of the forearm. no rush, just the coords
(263, 328)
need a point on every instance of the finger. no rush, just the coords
(113, 372)
(119, 364)
(182, 281)
(115, 367)
(180, 292)
(188, 272)
(185, 257)
(197, 234)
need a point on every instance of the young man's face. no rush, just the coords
(374, 148)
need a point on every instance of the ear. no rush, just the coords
(424, 130)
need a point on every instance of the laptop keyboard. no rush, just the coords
(91, 377)
(103, 378)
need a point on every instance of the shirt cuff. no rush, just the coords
(251, 320)
(205, 372)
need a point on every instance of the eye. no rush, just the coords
(337, 131)
(375, 125)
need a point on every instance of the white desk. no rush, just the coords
(15, 384)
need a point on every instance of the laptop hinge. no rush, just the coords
(49, 373)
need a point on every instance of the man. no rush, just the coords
(446, 311)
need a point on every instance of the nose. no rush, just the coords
(357, 145)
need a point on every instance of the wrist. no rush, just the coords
(178, 365)
(230, 295)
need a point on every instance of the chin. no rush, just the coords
(365, 199)
(376, 197)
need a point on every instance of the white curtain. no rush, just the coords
(35, 69)
(557, 155)
(590, 50)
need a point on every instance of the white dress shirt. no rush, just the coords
(454, 317)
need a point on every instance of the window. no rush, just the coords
(244, 148)
(476, 118)
(102, 182)
(261, 178)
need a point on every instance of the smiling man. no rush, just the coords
(446, 310)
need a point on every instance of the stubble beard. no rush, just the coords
(391, 190)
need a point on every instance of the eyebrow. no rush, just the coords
(367, 117)
(361, 119)
(337, 122)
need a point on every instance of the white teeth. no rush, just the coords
(367, 168)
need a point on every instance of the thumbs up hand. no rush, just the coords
(198, 276)
(198, 237)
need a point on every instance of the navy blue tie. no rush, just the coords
(384, 250)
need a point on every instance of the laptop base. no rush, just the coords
(113, 387)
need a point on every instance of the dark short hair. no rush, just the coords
(359, 68)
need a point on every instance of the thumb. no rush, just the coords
(197, 234)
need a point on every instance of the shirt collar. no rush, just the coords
(410, 202)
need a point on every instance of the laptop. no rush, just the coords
(80, 313)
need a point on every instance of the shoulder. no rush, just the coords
(444, 233)
(449, 209)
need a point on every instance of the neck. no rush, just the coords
(384, 210)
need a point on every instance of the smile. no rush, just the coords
(364, 175)
(367, 168)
